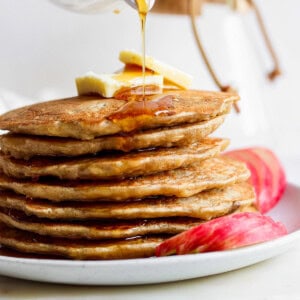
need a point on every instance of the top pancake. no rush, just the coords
(86, 117)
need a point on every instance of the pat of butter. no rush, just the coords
(107, 85)
(173, 76)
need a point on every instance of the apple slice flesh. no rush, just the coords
(279, 178)
(260, 173)
(267, 175)
(228, 232)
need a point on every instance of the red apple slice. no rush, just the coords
(260, 173)
(279, 178)
(229, 232)
(267, 175)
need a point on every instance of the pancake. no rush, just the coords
(104, 229)
(184, 182)
(100, 229)
(26, 146)
(136, 247)
(86, 117)
(107, 166)
(27, 242)
(206, 205)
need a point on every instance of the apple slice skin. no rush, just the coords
(267, 175)
(224, 233)
(279, 177)
(261, 177)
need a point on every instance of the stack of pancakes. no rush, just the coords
(77, 183)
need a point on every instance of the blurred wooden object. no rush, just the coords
(239, 5)
(193, 8)
(180, 7)
(177, 7)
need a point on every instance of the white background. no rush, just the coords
(43, 48)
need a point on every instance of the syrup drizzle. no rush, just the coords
(136, 93)
(152, 107)
(143, 10)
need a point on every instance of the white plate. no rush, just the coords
(166, 269)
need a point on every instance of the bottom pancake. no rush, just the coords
(83, 249)
(138, 247)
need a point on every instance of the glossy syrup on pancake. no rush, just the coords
(87, 117)
(155, 106)
(135, 92)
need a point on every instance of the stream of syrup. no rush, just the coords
(143, 10)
